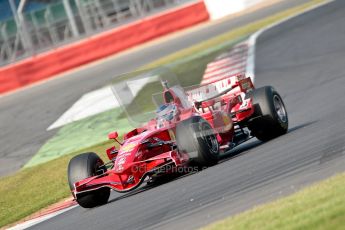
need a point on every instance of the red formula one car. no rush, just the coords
(190, 129)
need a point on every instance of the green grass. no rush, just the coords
(32, 189)
(320, 206)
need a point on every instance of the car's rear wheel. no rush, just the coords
(83, 166)
(270, 118)
(196, 137)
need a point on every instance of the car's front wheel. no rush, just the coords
(83, 166)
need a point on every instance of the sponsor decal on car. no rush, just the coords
(128, 147)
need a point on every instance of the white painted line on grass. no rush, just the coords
(99, 101)
(89, 104)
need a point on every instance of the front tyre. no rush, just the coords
(196, 137)
(83, 166)
(270, 118)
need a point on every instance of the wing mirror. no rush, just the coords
(113, 135)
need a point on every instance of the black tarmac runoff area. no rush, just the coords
(304, 59)
(25, 115)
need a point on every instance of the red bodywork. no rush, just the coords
(151, 149)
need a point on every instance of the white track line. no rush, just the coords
(38, 220)
(250, 66)
(98, 101)
(89, 104)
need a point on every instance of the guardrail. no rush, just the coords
(47, 64)
(66, 21)
(64, 32)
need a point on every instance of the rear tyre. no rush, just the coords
(196, 137)
(270, 118)
(83, 166)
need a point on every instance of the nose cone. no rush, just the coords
(125, 157)
(120, 163)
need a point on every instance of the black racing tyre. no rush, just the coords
(83, 166)
(196, 137)
(270, 118)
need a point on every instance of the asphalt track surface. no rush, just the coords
(304, 59)
(25, 115)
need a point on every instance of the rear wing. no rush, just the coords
(218, 88)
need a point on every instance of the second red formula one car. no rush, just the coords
(190, 129)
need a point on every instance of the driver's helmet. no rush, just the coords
(166, 111)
